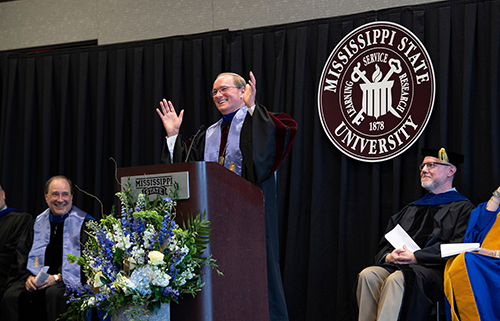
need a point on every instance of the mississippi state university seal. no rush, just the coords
(376, 92)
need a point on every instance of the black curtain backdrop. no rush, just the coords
(68, 111)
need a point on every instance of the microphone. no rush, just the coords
(202, 127)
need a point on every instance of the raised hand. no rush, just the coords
(171, 122)
(250, 91)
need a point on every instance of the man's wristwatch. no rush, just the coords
(57, 277)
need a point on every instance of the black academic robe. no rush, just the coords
(12, 226)
(265, 140)
(20, 304)
(26, 242)
(424, 280)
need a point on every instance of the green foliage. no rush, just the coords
(141, 258)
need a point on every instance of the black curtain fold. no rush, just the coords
(68, 111)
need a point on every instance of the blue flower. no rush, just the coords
(115, 242)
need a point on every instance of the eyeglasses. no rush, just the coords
(431, 165)
(64, 195)
(222, 90)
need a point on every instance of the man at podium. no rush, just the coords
(251, 142)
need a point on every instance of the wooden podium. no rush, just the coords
(238, 243)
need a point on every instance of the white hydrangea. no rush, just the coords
(159, 277)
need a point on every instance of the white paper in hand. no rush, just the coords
(450, 249)
(398, 237)
(42, 275)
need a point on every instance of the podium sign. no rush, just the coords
(158, 184)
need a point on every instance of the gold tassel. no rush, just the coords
(443, 156)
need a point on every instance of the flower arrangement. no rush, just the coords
(141, 260)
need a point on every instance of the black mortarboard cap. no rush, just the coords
(441, 154)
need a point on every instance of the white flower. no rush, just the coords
(123, 283)
(173, 243)
(88, 303)
(138, 255)
(122, 241)
(155, 257)
(139, 280)
(147, 235)
(185, 276)
(158, 277)
(132, 263)
(97, 279)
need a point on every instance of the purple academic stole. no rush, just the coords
(233, 157)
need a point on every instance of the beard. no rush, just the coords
(432, 184)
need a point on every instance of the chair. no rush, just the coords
(438, 311)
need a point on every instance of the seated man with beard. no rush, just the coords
(405, 285)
